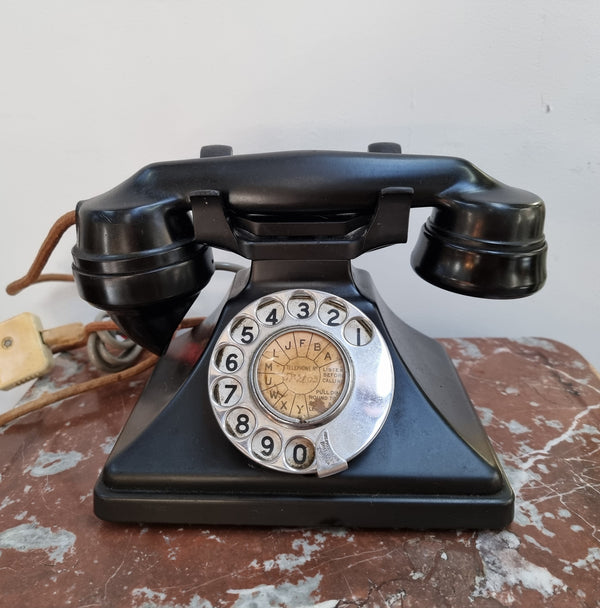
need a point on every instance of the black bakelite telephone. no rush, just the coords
(312, 403)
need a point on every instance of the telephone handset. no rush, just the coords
(306, 373)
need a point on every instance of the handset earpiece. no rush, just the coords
(142, 265)
(484, 242)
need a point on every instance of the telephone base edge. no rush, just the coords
(472, 512)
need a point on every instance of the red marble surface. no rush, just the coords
(538, 399)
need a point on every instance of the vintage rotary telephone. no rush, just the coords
(311, 403)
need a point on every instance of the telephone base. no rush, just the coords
(431, 466)
(330, 510)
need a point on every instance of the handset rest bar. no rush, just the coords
(307, 184)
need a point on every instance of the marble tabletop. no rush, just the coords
(539, 401)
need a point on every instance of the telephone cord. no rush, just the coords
(108, 349)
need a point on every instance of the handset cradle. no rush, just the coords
(306, 373)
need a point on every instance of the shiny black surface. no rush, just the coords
(431, 465)
(143, 248)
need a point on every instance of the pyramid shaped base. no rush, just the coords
(430, 467)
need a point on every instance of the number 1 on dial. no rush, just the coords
(358, 332)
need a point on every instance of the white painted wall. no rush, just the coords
(93, 90)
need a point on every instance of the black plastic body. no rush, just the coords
(142, 257)
(144, 253)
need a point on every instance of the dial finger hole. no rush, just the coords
(240, 422)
